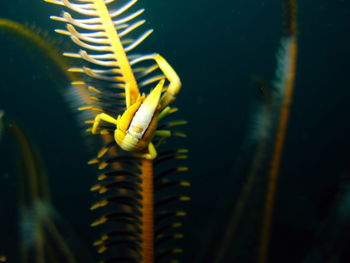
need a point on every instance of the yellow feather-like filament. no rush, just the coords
(117, 48)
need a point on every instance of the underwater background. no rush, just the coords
(216, 48)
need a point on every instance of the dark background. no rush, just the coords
(215, 47)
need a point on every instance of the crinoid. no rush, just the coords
(139, 177)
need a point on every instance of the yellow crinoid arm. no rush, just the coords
(105, 33)
(117, 48)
